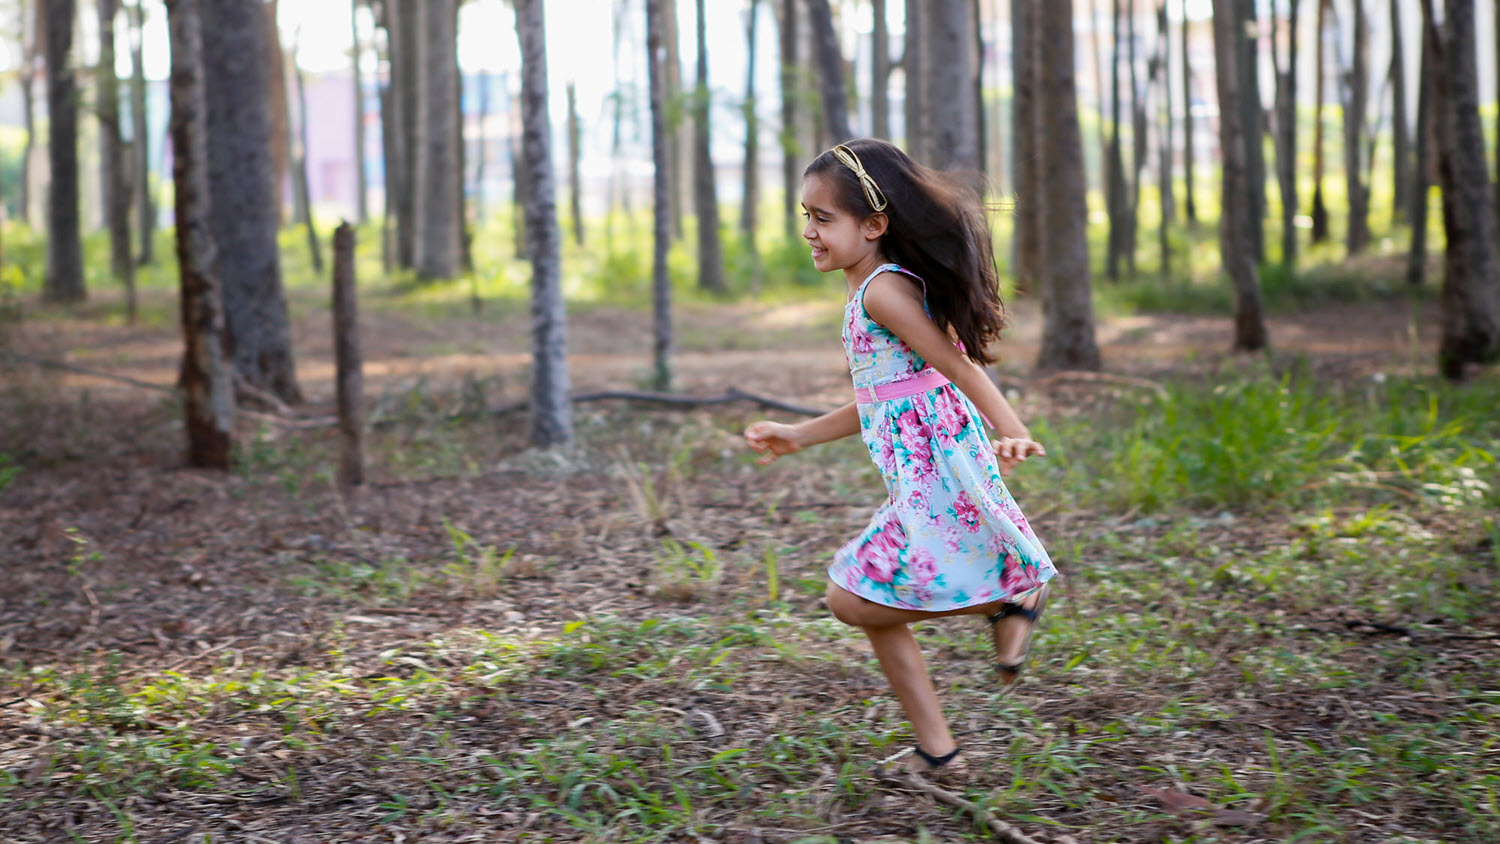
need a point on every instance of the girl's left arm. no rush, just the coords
(897, 305)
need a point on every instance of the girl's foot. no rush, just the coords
(1010, 633)
(915, 760)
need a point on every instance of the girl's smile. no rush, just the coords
(838, 239)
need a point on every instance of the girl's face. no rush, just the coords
(839, 239)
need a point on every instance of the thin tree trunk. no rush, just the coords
(390, 139)
(207, 378)
(1068, 318)
(406, 38)
(1416, 256)
(64, 280)
(551, 409)
(1114, 160)
(33, 29)
(1189, 206)
(1355, 89)
(914, 61)
(1253, 121)
(1101, 110)
(951, 95)
(575, 194)
(281, 132)
(750, 194)
(1236, 244)
(1471, 287)
(245, 201)
(1138, 144)
(830, 71)
(361, 187)
(113, 170)
(1319, 209)
(791, 155)
(439, 227)
(661, 283)
(1161, 75)
(299, 174)
(880, 72)
(1286, 139)
(680, 143)
(705, 189)
(145, 196)
(1024, 146)
(349, 365)
(461, 145)
(1401, 175)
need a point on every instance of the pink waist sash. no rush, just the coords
(925, 380)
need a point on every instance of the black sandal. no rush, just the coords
(1011, 671)
(889, 767)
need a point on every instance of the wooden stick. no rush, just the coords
(1001, 829)
(350, 377)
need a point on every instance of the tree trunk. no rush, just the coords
(32, 28)
(791, 155)
(392, 154)
(661, 283)
(1068, 316)
(575, 194)
(348, 363)
(1161, 76)
(1416, 256)
(681, 141)
(299, 173)
(437, 248)
(64, 281)
(551, 407)
(951, 90)
(914, 62)
(880, 72)
(1236, 243)
(1319, 209)
(1253, 121)
(145, 197)
(830, 62)
(405, 27)
(1286, 140)
(1025, 122)
(1138, 141)
(1471, 287)
(236, 34)
(1114, 160)
(361, 188)
(1189, 207)
(705, 189)
(1401, 176)
(113, 173)
(281, 133)
(1355, 88)
(750, 193)
(207, 377)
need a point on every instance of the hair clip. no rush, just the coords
(873, 193)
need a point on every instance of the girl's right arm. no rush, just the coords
(774, 439)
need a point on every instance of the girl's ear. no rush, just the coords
(875, 226)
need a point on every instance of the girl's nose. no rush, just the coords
(807, 229)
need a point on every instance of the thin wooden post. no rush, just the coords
(350, 377)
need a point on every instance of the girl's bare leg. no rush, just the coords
(901, 659)
(854, 610)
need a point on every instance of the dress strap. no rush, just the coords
(859, 295)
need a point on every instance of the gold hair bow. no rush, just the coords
(872, 191)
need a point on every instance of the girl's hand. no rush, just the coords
(1013, 450)
(772, 440)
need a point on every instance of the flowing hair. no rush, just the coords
(938, 229)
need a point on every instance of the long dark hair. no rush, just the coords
(938, 230)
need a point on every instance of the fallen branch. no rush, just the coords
(83, 370)
(1003, 830)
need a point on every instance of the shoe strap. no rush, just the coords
(1008, 610)
(936, 761)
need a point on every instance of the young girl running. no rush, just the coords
(923, 307)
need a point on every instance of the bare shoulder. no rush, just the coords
(892, 295)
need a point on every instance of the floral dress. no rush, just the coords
(949, 535)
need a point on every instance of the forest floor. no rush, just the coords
(624, 641)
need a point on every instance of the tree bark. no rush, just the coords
(236, 74)
(750, 192)
(1319, 208)
(1416, 255)
(951, 93)
(1138, 106)
(392, 153)
(791, 154)
(1024, 143)
(281, 133)
(551, 411)
(437, 248)
(1236, 244)
(880, 72)
(64, 280)
(1401, 176)
(1253, 123)
(349, 365)
(1189, 207)
(680, 143)
(1114, 159)
(113, 172)
(33, 29)
(1161, 76)
(914, 61)
(661, 189)
(830, 62)
(705, 189)
(145, 196)
(207, 378)
(575, 193)
(405, 28)
(1355, 88)
(361, 187)
(1286, 140)
(1471, 287)
(1067, 305)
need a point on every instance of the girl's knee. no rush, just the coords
(844, 605)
